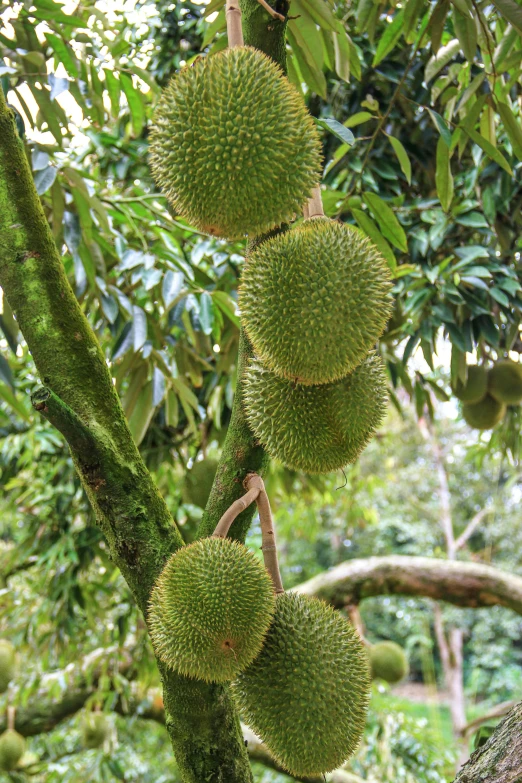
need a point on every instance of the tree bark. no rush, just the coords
(499, 760)
(470, 585)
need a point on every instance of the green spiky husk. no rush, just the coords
(306, 694)
(316, 429)
(476, 386)
(7, 664)
(388, 662)
(198, 481)
(315, 300)
(505, 382)
(232, 146)
(210, 609)
(484, 415)
(94, 729)
(12, 748)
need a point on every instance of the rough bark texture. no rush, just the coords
(462, 584)
(263, 32)
(500, 759)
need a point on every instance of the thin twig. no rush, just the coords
(271, 11)
(11, 711)
(471, 527)
(239, 505)
(314, 207)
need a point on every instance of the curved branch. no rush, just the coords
(463, 584)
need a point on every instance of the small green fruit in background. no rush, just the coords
(7, 663)
(210, 609)
(476, 386)
(316, 429)
(233, 147)
(95, 729)
(306, 694)
(12, 748)
(483, 415)
(505, 382)
(388, 662)
(314, 301)
(198, 481)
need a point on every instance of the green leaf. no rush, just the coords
(372, 232)
(142, 414)
(215, 27)
(206, 313)
(8, 396)
(389, 225)
(466, 31)
(441, 59)
(343, 52)
(389, 39)
(499, 296)
(488, 148)
(320, 12)
(227, 305)
(443, 175)
(512, 126)
(6, 376)
(44, 178)
(135, 101)
(438, 21)
(402, 156)
(338, 130)
(441, 126)
(411, 15)
(113, 88)
(307, 46)
(358, 119)
(511, 11)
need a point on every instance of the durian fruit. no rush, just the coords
(233, 146)
(483, 415)
(306, 694)
(314, 300)
(476, 386)
(7, 664)
(198, 481)
(316, 429)
(12, 748)
(95, 729)
(388, 662)
(505, 382)
(210, 609)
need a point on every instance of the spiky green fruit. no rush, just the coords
(306, 694)
(476, 386)
(12, 748)
(388, 662)
(7, 664)
(314, 300)
(198, 481)
(94, 729)
(233, 146)
(210, 609)
(483, 415)
(505, 382)
(316, 429)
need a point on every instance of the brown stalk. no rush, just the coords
(11, 711)
(314, 207)
(271, 11)
(234, 28)
(239, 505)
(268, 539)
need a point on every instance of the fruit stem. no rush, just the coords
(314, 208)
(268, 538)
(11, 718)
(234, 28)
(239, 505)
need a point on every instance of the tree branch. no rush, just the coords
(471, 527)
(470, 585)
(499, 759)
(498, 711)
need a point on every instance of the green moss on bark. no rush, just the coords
(262, 31)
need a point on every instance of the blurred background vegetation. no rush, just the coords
(420, 105)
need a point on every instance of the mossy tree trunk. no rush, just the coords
(79, 398)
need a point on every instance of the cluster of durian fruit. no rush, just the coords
(486, 393)
(237, 154)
